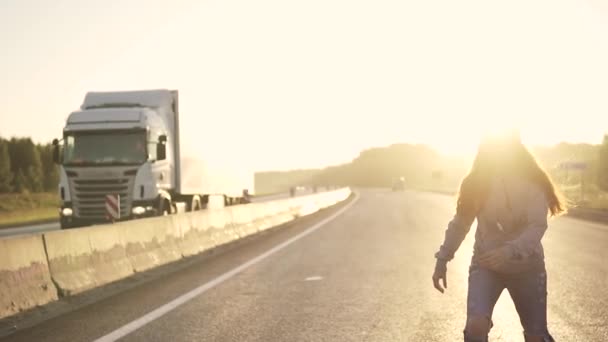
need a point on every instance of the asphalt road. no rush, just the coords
(46, 227)
(365, 276)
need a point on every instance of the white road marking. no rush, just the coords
(315, 278)
(186, 297)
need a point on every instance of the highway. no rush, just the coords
(358, 272)
(47, 227)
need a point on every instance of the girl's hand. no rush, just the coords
(440, 274)
(495, 258)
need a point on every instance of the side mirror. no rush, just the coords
(161, 148)
(56, 151)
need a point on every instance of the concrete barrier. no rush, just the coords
(151, 242)
(81, 259)
(25, 280)
(275, 214)
(195, 234)
(34, 270)
(201, 231)
(244, 219)
(220, 224)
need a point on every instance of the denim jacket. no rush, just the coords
(514, 214)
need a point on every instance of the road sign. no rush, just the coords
(113, 207)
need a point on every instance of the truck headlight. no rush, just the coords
(138, 211)
(66, 212)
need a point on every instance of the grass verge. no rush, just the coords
(19, 209)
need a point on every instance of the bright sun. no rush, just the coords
(461, 141)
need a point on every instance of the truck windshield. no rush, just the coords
(105, 148)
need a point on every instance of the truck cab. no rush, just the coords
(122, 158)
(117, 144)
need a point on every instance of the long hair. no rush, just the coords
(511, 156)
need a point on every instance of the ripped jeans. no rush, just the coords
(528, 291)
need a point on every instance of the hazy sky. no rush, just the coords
(310, 83)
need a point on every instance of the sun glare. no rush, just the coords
(462, 140)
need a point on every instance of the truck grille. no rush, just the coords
(89, 196)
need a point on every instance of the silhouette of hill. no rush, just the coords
(421, 166)
(425, 169)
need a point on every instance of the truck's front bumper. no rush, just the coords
(140, 209)
(144, 208)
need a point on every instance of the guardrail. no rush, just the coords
(38, 269)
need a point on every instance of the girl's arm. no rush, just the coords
(457, 230)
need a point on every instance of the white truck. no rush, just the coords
(127, 145)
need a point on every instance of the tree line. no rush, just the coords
(26, 167)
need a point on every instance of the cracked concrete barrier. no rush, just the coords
(244, 219)
(196, 233)
(151, 242)
(25, 280)
(220, 225)
(81, 259)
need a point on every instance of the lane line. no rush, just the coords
(172, 305)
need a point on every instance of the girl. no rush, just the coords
(510, 196)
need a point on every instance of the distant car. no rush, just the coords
(399, 184)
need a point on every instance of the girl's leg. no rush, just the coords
(485, 287)
(529, 294)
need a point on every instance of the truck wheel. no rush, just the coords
(196, 204)
(204, 201)
(165, 208)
